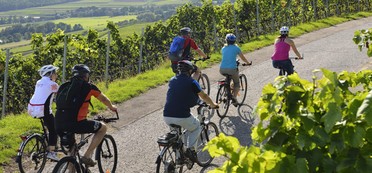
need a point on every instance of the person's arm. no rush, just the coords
(106, 101)
(241, 55)
(294, 48)
(201, 53)
(205, 97)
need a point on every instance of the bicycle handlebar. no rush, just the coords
(108, 120)
(296, 58)
(243, 64)
(200, 59)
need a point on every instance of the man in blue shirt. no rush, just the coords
(183, 93)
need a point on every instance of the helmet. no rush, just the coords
(43, 71)
(185, 30)
(80, 69)
(230, 37)
(185, 66)
(284, 30)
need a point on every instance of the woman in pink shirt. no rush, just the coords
(280, 57)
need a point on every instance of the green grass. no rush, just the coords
(136, 28)
(121, 90)
(94, 22)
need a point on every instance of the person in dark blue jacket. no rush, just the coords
(184, 93)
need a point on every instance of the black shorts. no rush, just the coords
(84, 126)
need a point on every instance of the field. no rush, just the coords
(53, 9)
(94, 22)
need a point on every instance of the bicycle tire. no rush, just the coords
(208, 132)
(64, 163)
(204, 83)
(243, 89)
(32, 155)
(166, 161)
(223, 101)
(107, 155)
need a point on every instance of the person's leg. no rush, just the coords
(96, 140)
(52, 137)
(192, 125)
(196, 74)
(288, 66)
(99, 129)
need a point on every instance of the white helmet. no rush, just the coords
(46, 69)
(284, 30)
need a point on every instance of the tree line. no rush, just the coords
(7, 5)
(20, 32)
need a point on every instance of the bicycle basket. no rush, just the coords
(167, 139)
(67, 139)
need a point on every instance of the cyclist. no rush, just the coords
(40, 104)
(280, 57)
(183, 93)
(186, 55)
(66, 122)
(228, 63)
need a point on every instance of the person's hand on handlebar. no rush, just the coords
(113, 108)
(214, 105)
(247, 63)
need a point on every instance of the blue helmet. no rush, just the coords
(230, 37)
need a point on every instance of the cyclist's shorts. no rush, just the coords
(84, 126)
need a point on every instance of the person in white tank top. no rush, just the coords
(41, 101)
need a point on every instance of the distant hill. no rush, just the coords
(8, 5)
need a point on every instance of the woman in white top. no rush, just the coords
(40, 104)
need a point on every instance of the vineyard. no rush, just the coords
(209, 22)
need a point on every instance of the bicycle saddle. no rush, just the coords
(167, 139)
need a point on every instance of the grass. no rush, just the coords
(121, 90)
(97, 23)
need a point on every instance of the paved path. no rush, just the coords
(141, 117)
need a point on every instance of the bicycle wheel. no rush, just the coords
(204, 83)
(166, 161)
(67, 165)
(243, 89)
(223, 101)
(107, 155)
(246, 113)
(208, 132)
(32, 155)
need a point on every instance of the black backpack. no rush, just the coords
(71, 95)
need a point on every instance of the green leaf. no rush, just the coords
(301, 165)
(369, 135)
(353, 135)
(366, 109)
(332, 116)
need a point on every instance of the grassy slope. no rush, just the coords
(120, 90)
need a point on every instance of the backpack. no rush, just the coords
(71, 95)
(176, 49)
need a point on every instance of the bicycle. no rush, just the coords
(203, 79)
(172, 157)
(32, 152)
(106, 152)
(224, 94)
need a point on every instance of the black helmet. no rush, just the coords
(185, 66)
(80, 69)
(185, 30)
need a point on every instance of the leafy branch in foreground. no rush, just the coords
(363, 38)
(319, 126)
